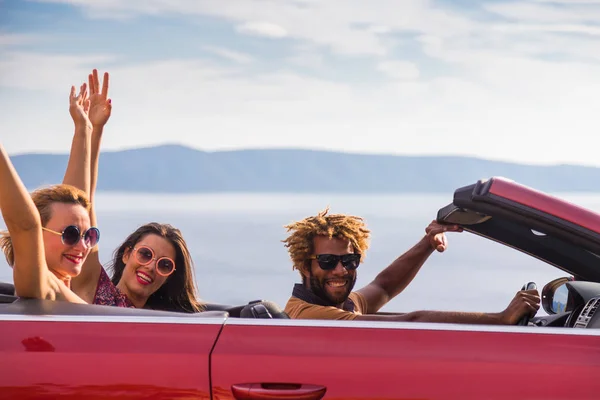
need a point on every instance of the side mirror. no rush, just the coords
(555, 296)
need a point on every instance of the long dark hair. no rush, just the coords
(178, 293)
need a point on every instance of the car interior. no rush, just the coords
(11, 304)
(570, 244)
(569, 304)
(572, 247)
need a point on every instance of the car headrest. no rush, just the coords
(263, 309)
(7, 299)
(7, 288)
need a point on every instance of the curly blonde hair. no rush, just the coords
(300, 242)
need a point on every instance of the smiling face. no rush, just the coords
(334, 285)
(65, 261)
(139, 281)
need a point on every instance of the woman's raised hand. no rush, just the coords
(79, 106)
(100, 105)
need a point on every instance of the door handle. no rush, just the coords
(271, 391)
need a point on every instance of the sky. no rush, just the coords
(506, 80)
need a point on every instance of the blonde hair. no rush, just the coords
(43, 199)
(300, 242)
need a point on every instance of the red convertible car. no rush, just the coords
(252, 351)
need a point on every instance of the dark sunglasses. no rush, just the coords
(328, 262)
(71, 235)
(145, 255)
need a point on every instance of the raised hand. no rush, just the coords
(85, 284)
(437, 238)
(79, 106)
(100, 105)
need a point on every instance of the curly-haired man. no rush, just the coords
(328, 248)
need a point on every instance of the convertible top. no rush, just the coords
(551, 229)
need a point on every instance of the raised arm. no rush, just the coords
(78, 168)
(396, 277)
(100, 108)
(30, 273)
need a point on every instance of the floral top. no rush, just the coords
(107, 294)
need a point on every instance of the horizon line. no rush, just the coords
(316, 150)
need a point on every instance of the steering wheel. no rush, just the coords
(524, 321)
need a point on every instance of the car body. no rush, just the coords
(56, 349)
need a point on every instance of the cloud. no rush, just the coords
(17, 39)
(399, 69)
(235, 56)
(555, 28)
(39, 71)
(568, 2)
(262, 29)
(307, 57)
(546, 12)
(413, 77)
(206, 105)
(336, 24)
(353, 27)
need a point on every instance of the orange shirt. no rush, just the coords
(300, 309)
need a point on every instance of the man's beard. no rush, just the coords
(318, 288)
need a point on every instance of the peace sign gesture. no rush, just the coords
(100, 105)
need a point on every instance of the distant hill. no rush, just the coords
(173, 168)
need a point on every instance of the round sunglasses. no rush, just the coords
(71, 235)
(327, 262)
(145, 255)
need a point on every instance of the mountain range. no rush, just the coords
(179, 169)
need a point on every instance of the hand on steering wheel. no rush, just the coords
(524, 321)
(522, 307)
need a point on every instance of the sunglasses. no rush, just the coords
(145, 255)
(328, 262)
(71, 235)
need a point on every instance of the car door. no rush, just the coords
(292, 359)
(105, 356)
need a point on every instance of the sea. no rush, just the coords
(236, 243)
